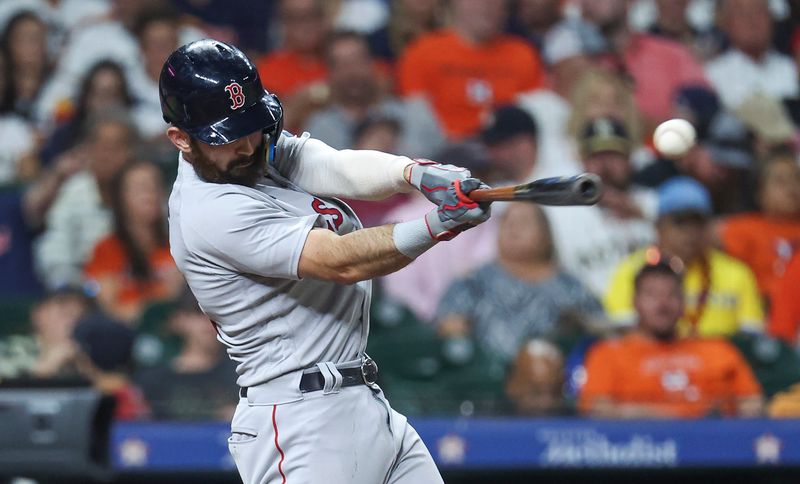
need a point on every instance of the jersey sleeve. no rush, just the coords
(324, 171)
(251, 236)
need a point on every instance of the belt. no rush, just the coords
(314, 381)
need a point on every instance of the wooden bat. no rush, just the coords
(583, 189)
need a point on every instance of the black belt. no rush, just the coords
(314, 381)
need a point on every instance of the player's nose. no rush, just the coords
(246, 146)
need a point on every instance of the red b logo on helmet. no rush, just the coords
(234, 90)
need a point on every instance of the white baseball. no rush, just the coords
(674, 138)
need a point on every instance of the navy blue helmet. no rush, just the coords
(212, 91)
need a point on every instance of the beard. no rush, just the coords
(244, 170)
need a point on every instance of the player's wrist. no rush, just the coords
(414, 237)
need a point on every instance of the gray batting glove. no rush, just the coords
(433, 179)
(456, 212)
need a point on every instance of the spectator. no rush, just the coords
(61, 16)
(657, 66)
(17, 137)
(721, 293)
(750, 60)
(568, 50)
(110, 37)
(296, 71)
(133, 267)
(103, 356)
(356, 93)
(785, 315)
(765, 240)
(534, 19)
(651, 372)
(523, 294)
(24, 49)
(157, 32)
(591, 241)
(47, 352)
(421, 284)
(223, 20)
(535, 383)
(104, 87)
(408, 20)
(81, 214)
(672, 22)
(197, 383)
(17, 275)
(511, 139)
(468, 69)
(600, 93)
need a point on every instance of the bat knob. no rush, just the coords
(590, 188)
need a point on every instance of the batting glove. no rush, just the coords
(456, 211)
(434, 179)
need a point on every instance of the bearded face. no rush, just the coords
(227, 165)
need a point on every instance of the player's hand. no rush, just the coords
(456, 211)
(434, 179)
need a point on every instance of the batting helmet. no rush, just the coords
(212, 91)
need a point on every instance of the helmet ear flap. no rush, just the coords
(272, 134)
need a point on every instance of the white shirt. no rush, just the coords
(557, 155)
(591, 242)
(16, 138)
(736, 76)
(75, 223)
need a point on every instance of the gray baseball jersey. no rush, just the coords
(239, 249)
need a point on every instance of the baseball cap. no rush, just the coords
(107, 343)
(507, 122)
(729, 142)
(767, 117)
(604, 134)
(683, 194)
(572, 38)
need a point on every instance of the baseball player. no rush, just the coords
(283, 269)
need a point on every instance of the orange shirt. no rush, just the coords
(785, 317)
(283, 72)
(464, 81)
(684, 378)
(110, 259)
(763, 244)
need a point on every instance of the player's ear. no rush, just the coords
(179, 138)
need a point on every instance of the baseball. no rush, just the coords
(674, 138)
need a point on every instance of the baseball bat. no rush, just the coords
(583, 189)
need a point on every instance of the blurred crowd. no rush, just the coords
(677, 295)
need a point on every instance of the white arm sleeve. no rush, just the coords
(359, 174)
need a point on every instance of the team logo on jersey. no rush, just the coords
(334, 218)
(236, 93)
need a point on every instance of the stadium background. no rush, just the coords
(91, 305)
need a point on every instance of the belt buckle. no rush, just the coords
(369, 371)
